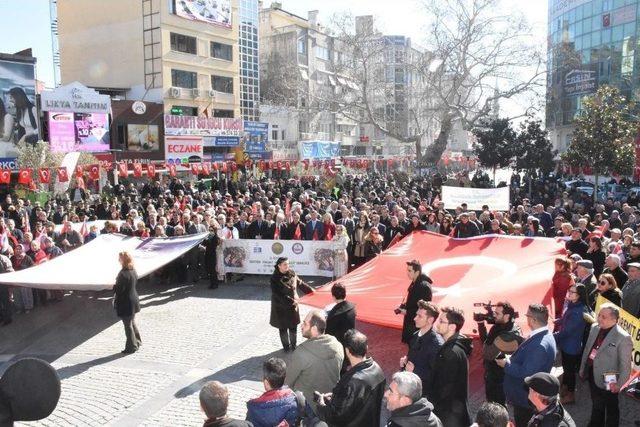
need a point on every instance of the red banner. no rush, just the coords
(63, 176)
(44, 175)
(94, 172)
(151, 170)
(464, 271)
(5, 176)
(25, 176)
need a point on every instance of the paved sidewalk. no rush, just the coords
(191, 335)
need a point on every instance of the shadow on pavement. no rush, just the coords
(77, 369)
(246, 370)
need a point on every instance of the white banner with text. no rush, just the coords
(475, 198)
(306, 257)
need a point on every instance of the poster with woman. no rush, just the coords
(18, 114)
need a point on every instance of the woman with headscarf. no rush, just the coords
(284, 302)
(126, 301)
(341, 259)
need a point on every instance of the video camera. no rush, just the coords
(489, 316)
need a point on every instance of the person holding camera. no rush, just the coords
(419, 289)
(501, 316)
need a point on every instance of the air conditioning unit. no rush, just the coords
(212, 93)
(195, 93)
(175, 92)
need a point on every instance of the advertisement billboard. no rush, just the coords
(580, 81)
(183, 149)
(319, 149)
(78, 132)
(217, 12)
(202, 126)
(18, 114)
(143, 137)
(255, 136)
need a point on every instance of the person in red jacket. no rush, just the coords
(561, 282)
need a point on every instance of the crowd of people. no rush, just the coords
(369, 213)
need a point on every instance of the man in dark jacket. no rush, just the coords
(259, 228)
(543, 393)
(408, 407)
(465, 228)
(355, 401)
(577, 245)
(612, 266)
(424, 346)
(504, 326)
(342, 316)
(451, 371)
(214, 399)
(419, 289)
(278, 403)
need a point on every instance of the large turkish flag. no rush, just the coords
(464, 271)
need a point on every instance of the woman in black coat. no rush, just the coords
(126, 301)
(342, 315)
(210, 256)
(284, 302)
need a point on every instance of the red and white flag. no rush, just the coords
(5, 176)
(137, 169)
(151, 170)
(206, 168)
(123, 171)
(195, 168)
(63, 176)
(94, 172)
(79, 171)
(172, 169)
(44, 175)
(464, 272)
(25, 176)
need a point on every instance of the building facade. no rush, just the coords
(590, 43)
(248, 50)
(183, 54)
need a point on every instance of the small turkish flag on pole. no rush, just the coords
(94, 172)
(137, 170)
(25, 176)
(195, 168)
(151, 170)
(5, 176)
(206, 168)
(122, 170)
(172, 169)
(44, 175)
(63, 176)
(79, 171)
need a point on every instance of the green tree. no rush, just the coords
(494, 144)
(603, 137)
(533, 150)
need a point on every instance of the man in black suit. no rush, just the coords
(342, 316)
(259, 228)
(242, 225)
(392, 231)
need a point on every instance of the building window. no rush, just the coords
(222, 84)
(223, 113)
(302, 46)
(182, 43)
(274, 135)
(185, 79)
(221, 51)
(282, 131)
(322, 53)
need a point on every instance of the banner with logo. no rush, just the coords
(217, 12)
(475, 198)
(464, 272)
(202, 126)
(94, 266)
(629, 323)
(306, 257)
(183, 149)
(256, 135)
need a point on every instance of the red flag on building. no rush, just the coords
(172, 169)
(94, 172)
(79, 171)
(5, 176)
(137, 169)
(151, 170)
(25, 176)
(63, 176)
(195, 168)
(123, 171)
(206, 168)
(44, 175)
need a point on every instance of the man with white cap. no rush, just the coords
(631, 290)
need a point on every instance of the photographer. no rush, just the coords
(501, 316)
(419, 289)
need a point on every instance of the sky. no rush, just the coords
(26, 23)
